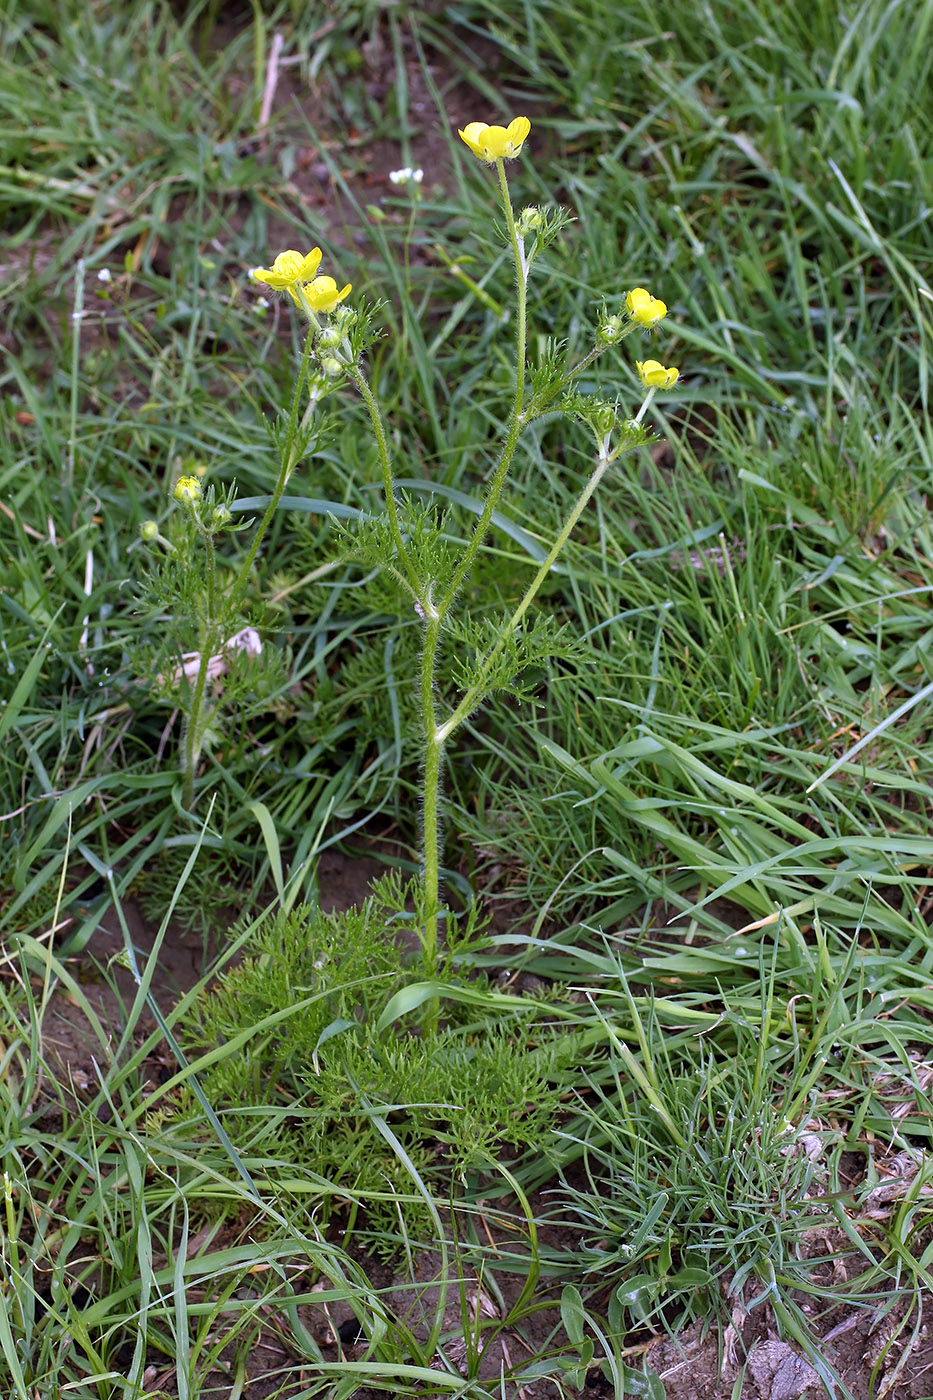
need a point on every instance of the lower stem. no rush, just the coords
(431, 825)
(194, 721)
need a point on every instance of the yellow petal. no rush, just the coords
(471, 134)
(289, 268)
(654, 376)
(495, 142)
(518, 133)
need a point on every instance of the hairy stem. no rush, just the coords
(431, 823)
(475, 693)
(291, 452)
(385, 462)
(194, 720)
(517, 418)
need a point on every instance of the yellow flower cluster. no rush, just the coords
(292, 270)
(646, 310)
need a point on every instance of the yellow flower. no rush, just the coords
(655, 376)
(644, 308)
(496, 142)
(187, 490)
(322, 294)
(288, 270)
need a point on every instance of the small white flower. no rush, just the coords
(261, 304)
(406, 175)
(105, 275)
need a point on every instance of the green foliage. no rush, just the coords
(705, 1184)
(369, 541)
(310, 1060)
(525, 650)
(752, 600)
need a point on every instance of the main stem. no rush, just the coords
(431, 825)
(434, 737)
(208, 636)
(516, 419)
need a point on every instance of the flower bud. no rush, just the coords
(220, 515)
(148, 530)
(331, 365)
(188, 490)
(529, 220)
(610, 330)
(330, 336)
(604, 419)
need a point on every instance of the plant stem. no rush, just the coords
(385, 462)
(194, 722)
(476, 691)
(208, 634)
(290, 458)
(431, 824)
(517, 419)
(433, 620)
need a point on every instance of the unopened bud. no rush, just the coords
(529, 220)
(187, 490)
(148, 530)
(604, 419)
(220, 515)
(610, 330)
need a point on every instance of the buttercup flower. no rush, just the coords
(644, 308)
(655, 376)
(288, 270)
(187, 490)
(322, 294)
(496, 142)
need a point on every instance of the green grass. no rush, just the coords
(740, 960)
